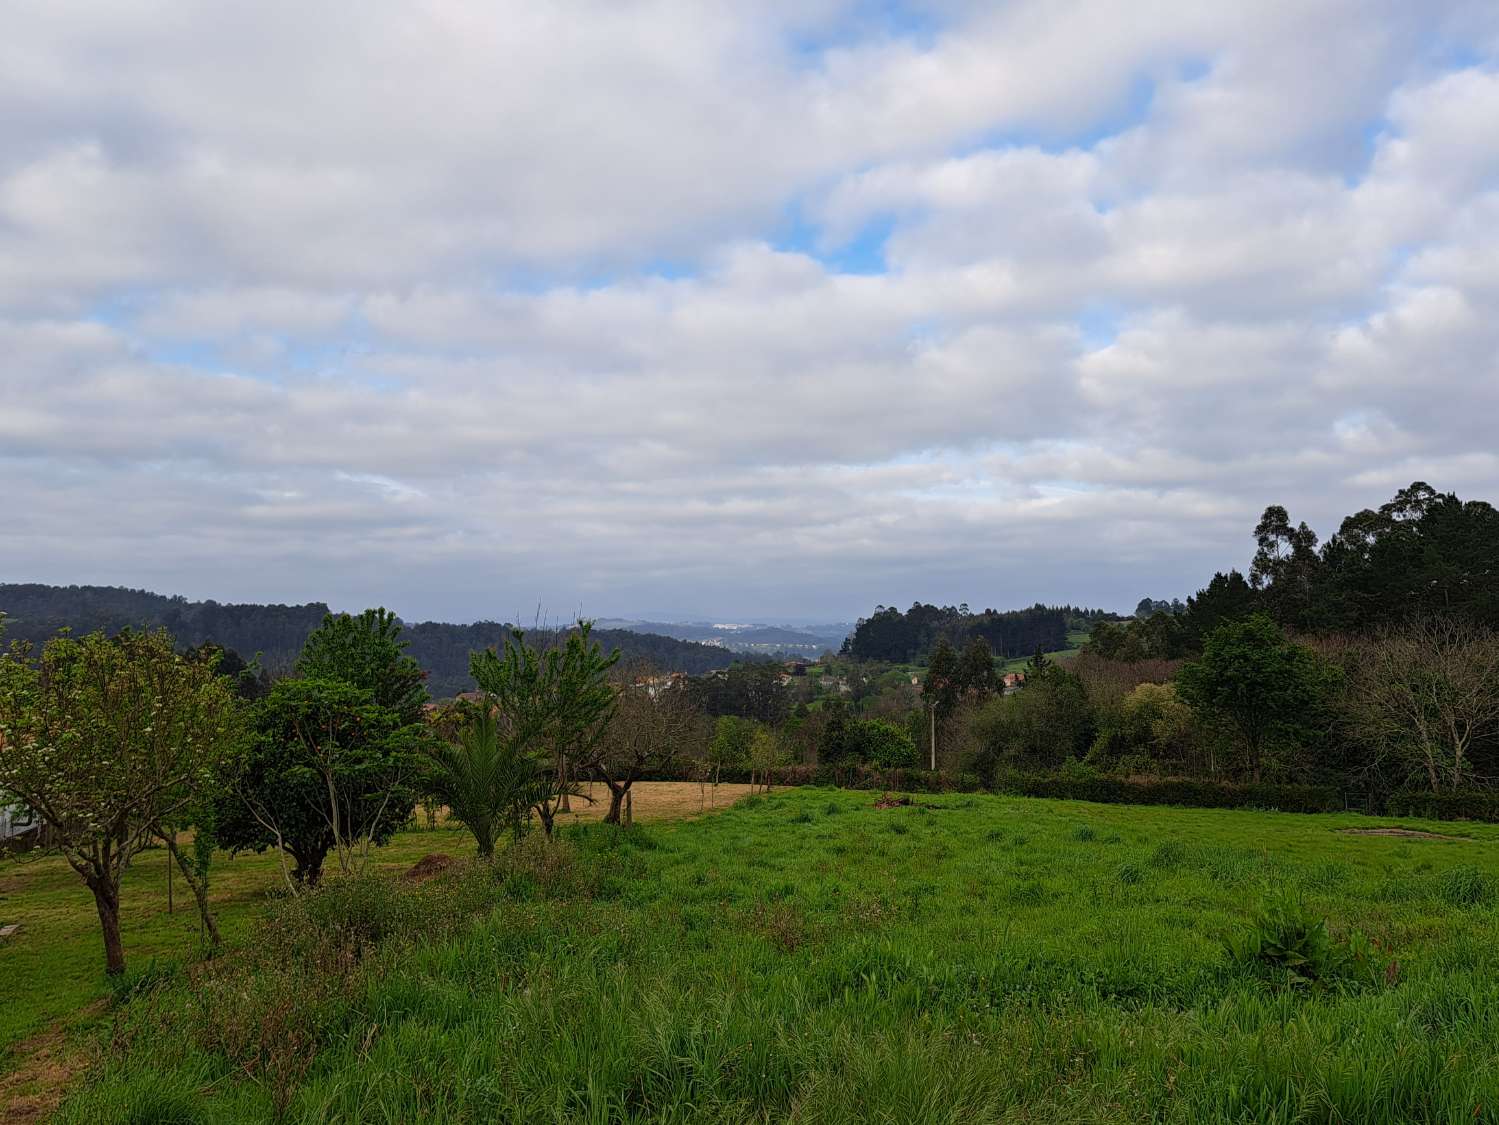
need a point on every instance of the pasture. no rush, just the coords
(812, 957)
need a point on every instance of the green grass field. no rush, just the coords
(810, 957)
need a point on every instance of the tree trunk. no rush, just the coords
(107, 901)
(616, 803)
(309, 869)
(199, 887)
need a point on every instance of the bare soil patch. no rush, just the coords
(659, 800)
(1404, 833)
(428, 866)
(35, 1087)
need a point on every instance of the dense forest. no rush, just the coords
(1423, 555)
(890, 635)
(34, 612)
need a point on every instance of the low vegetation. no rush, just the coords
(814, 956)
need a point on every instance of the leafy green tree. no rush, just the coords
(976, 676)
(368, 652)
(1037, 668)
(1259, 685)
(554, 706)
(873, 742)
(330, 770)
(730, 744)
(107, 739)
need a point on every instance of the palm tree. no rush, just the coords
(484, 778)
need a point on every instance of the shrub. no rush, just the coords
(1289, 947)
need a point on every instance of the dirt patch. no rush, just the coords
(892, 801)
(46, 1068)
(1403, 833)
(657, 801)
(428, 866)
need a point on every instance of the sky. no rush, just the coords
(698, 309)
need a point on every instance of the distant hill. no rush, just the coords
(811, 640)
(35, 612)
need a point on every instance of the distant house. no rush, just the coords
(655, 685)
(1014, 681)
(796, 667)
(19, 828)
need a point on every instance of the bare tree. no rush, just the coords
(1426, 694)
(653, 722)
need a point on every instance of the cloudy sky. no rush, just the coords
(738, 310)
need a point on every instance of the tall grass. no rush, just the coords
(764, 964)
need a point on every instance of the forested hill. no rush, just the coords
(35, 612)
(889, 634)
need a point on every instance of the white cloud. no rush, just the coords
(449, 305)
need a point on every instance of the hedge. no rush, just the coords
(1465, 804)
(1471, 804)
(1175, 791)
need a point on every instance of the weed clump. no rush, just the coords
(1289, 947)
(1464, 886)
(1129, 874)
(1168, 855)
(1084, 834)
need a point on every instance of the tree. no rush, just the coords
(553, 706)
(646, 730)
(1259, 685)
(1427, 694)
(976, 675)
(107, 740)
(330, 770)
(730, 744)
(767, 753)
(368, 652)
(488, 781)
(942, 689)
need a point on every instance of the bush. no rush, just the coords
(1291, 948)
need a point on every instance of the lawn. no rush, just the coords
(812, 957)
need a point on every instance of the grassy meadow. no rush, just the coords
(53, 968)
(811, 957)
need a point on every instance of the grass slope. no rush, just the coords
(809, 957)
(53, 968)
